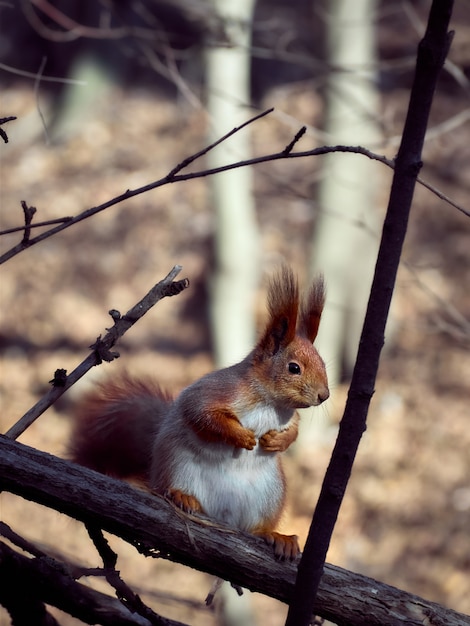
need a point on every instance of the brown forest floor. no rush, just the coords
(406, 516)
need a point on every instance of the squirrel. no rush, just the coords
(215, 449)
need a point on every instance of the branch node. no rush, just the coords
(60, 378)
(102, 352)
(107, 554)
(29, 212)
(115, 314)
(288, 149)
(176, 287)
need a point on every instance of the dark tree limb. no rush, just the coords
(101, 349)
(156, 528)
(432, 52)
(28, 583)
(123, 592)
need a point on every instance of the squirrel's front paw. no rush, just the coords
(246, 439)
(275, 441)
(184, 501)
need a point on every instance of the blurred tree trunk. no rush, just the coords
(345, 241)
(236, 237)
(236, 234)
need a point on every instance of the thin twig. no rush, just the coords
(290, 146)
(102, 347)
(442, 196)
(170, 177)
(70, 29)
(17, 229)
(66, 222)
(192, 175)
(49, 79)
(131, 600)
(4, 120)
(459, 325)
(37, 84)
(29, 212)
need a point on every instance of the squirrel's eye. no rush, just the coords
(294, 368)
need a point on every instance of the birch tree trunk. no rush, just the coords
(345, 242)
(236, 241)
(236, 236)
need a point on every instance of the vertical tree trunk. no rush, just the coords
(236, 237)
(432, 52)
(345, 241)
(236, 243)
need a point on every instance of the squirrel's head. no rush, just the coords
(287, 363)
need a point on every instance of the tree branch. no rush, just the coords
(156, 528)
(4, 120)
(46, 580)
(171, 177)
(101, 348)
(431, 55)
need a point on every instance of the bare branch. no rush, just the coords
(46, 580)
(37, 84)
(101, 348)
(432, 52)
(17, 540)
(288, 149)
(125, 594)
(204, 151)
(18, 229)
(71, 29)
(458, 325)
(157, 528)
(171, 177)
(4, 120)
(29, 212)
(49, 79)
(442, 196)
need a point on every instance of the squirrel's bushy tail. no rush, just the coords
(115, 427)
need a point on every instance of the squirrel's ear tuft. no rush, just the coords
(283, 306)
(311, 310)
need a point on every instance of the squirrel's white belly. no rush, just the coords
(243, 489)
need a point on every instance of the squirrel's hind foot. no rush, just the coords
(184, 501)
(286, 547)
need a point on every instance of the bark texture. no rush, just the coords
(156, 528)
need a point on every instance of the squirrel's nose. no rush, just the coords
(323, 395)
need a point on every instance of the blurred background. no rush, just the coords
(112, 95)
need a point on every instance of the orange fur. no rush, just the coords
(280, 440)
(115, 426)
(216, 448)
(311, 310)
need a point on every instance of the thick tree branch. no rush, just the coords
(101, 348)
(45, 580)
(156, 528)
(431, 55)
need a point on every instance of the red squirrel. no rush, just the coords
(215, 448)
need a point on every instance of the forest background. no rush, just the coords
(406, 513)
